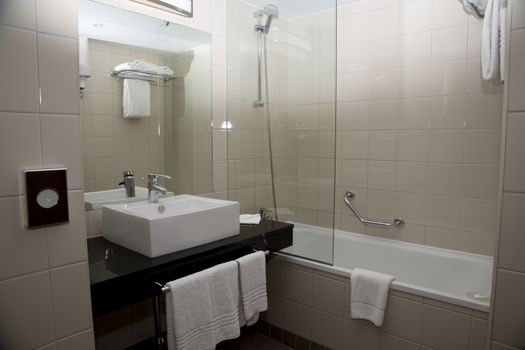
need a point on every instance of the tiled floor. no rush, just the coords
(245, 342)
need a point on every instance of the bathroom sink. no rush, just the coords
(173, 224)
(95, 200)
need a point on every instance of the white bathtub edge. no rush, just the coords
(401, 286)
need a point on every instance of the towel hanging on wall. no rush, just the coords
(136, 98)
(493, 41)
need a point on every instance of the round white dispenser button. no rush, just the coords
(47, 198)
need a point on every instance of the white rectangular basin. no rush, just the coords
(95, 200)
(173, 224)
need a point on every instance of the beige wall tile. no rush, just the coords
(482, 146)
(437, 322)
(67, 281)
(297, 285)
(390, 342)
(412, 145)
(297, 319)
(516, 79)
(328, 296)
(509, 312)
(514, 161)
(478, 334)
(446, 146)
(58, 74)
(19, 87)
(403, 318)
(360, 337)
(79, 341)
(327, 330)
(444, 179)
(511, 234)
(26, 306)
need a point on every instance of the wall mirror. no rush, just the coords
(145, 102)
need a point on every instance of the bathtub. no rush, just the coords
(450, 276)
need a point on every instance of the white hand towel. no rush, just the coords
(493, 41)
(203, 309)
(250, 219)
(224, 286)
(369, 294)
(135, 98)
(189, 317)
(252, 275)
(475, 7)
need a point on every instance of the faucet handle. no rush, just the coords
(153, 177)
(127, 173)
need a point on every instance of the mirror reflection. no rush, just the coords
(145, 105)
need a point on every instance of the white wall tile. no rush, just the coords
(450, 43)
(58, 131)
(482, 146)
(26, 307)
(446, 146)
(31, 253)
(67, 242)
(67, 281)
(447, 13)
(18, 86)
(58, 74)
(20, 132)
(518, 14)
(19, 13)
(57, 17)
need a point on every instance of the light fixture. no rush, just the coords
(98, 25)
(179, 7)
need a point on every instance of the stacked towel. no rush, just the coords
(369, 294)
(202, 309)
(250, 219)
(252, 276)
(136, 98)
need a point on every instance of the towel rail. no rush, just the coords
(135, 74)
(164, 287)
(380, 223)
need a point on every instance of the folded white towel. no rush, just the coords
(189, 318)
(224, 287)
(250, 219)
(493, 41)
(136, 98)
(252, 276)
(202, 309)
(369, 294)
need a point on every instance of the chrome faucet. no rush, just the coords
(154, 188)
(129, 183)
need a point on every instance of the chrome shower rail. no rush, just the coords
(380, 223)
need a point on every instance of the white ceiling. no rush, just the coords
(125, 27)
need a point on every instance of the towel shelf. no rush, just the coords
(379, 223)
(164, 287)
(134, 74)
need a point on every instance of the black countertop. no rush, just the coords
(120, 276)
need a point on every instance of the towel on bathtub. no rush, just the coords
(369, 294)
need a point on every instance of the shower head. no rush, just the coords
(271, 11)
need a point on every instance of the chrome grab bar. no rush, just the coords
(396, 223)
